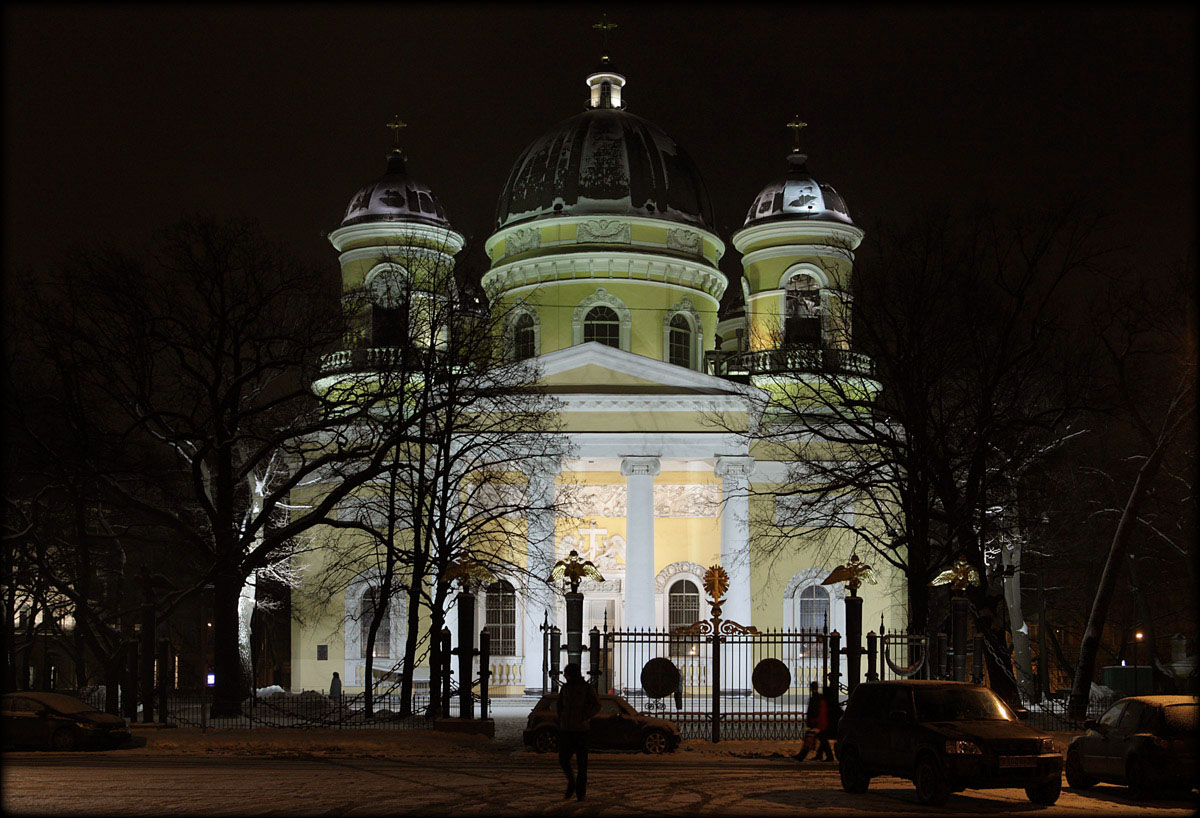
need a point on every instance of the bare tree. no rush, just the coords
(204, 348)
(463, 420)
(1150, 340)
(961, 318)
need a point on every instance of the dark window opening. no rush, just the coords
(602, 325)
(680, 342)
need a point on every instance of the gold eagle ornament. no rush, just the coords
(575, 569)
(959, 577)
(469, 571)
(852, 573)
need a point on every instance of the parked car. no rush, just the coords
(1147, 743)
(946, 737)
(58, 722)
(617, 727)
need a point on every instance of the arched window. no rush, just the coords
(679, 342)
(683, 609)
(366, 612)
(602, 324)
(802, 316)
(812, 609)
(523, 337)
(500, 618)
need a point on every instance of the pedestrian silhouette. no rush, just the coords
(818, 722)
(335, 687)
(577, 704)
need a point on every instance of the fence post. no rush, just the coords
(853, 649)
(575, 628)
(958, 629)
(445, 673)
(872, 644)
(465, 652)
(129, 696)
(594, 659)
(555, 649)
(715, 682)
(164, 669)
(485, 670)
(545, 649)
(835, 664)
(943, 655)
(977, 660)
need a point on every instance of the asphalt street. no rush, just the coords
(517, 783)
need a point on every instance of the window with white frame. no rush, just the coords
(683, 610)
(802, 311)
(679, 341)
(812, 609)
(524, 337)
(369, 603)
(500, 618)
(601, 324)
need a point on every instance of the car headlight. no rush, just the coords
(963, 748)
(1047, 745)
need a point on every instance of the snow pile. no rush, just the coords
(1100, 693)
(268, 691)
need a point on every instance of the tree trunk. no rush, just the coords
(1089, 646)
(990, 624)
(245, 630)
(229, 688)
(1018, 628)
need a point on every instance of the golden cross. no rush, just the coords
(396, 124)
(604, 27)
(796, 125)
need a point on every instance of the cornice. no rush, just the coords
(603, 265)
(410, 232)
(837, 232)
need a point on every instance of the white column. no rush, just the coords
(639, 475)
(735, 534)
(538, 600)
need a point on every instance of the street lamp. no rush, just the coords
(1137, 640)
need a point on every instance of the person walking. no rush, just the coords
(577, 704)
(816, 721)
(335, 688)
(825, 724)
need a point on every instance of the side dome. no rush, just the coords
(797, 194)
(605, 161)
(396, 197)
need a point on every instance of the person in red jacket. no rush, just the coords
(577, 704)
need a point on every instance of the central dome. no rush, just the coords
(605, 161)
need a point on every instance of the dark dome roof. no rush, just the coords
(605, 161)
(797, 195)
(396, 197)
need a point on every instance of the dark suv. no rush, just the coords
(946, 737)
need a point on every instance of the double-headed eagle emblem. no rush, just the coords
(852, 573)
(959, 577)
(468, 571)
(575, 568)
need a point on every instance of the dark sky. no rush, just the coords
(121, 119)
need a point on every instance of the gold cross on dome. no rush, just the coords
(796, 125)
(604, 27)
(396, 124)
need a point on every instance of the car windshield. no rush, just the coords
(960, 704)
(64, 704)
(1181, 718)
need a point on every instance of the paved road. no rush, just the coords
(520, 783)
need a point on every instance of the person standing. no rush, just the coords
(577, 704)
(825, 725)
(335, 688)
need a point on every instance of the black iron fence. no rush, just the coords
(309, 709)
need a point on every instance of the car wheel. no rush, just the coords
(930, 781)
(1137, 777)
(655, 742)
(1077, 779)
(1046, 793)
(545, 741)
(850, 768)
(64, 739)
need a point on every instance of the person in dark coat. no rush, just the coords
(826, 724)
(577, 704)
(335, 688)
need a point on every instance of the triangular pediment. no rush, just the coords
(594, 367)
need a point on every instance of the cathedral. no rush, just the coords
(605, 254)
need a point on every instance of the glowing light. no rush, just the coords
(212, 678)
(1138, 635)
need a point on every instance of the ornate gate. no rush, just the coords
(718, 678)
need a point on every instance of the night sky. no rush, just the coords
(119, 120)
